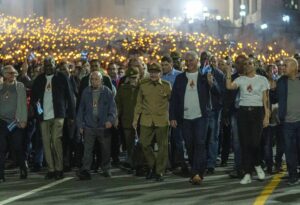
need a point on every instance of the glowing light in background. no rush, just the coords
(193, 9)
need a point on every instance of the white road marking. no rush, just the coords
(15, 198)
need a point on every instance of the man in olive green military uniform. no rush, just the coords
(152, 107)
(126, 101)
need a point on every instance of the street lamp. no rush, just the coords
(205, 15)
(243, 14)
(218, 18)
(264, 27)
(286, 20)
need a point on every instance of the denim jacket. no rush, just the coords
(106, 108)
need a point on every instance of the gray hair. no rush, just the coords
(5, 68)
(98, 74)
(192, 53)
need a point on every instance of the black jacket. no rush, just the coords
(63, 100)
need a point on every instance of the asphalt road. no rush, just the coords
(124, 189)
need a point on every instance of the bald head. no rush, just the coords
(49, 65)
(96, 79)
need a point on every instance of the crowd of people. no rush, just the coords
(63, 112)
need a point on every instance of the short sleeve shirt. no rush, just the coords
(251, 90)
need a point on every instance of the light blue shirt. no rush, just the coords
(171, 76)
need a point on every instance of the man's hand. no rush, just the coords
(108, 125)
(24, 68)
(210, 79)
(22, 125)
(173, 123)
(134, 125)
(266, 121)
(81, 131)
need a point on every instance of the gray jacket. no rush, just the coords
(21, 112)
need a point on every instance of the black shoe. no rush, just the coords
(36, 168)
(67, 169)
(210, 171)
(278, 169)
(270, 171)
(223, 164)
(159, 178)
(236, 174)
(139, 172)
(150, 174)
(293, 181)
(23, 173)
(115, 163)
(84, 175)
(2, 179)
(50, 175)
(59, 175)
(107, 174)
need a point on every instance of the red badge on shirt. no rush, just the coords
(249, 88)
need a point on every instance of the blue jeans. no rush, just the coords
(213, 138)
(236, 142)
(195, 134)
(292, 146)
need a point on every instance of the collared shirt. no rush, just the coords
(171, 76)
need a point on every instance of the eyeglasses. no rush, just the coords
(11, 73)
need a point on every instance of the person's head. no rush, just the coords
(291, 67)
(96, 79)
(176, 58)
(9, 74)
(137, 62)
(35, 72)
(121, 71)
(297, 57)
(213, 61)
(112, 70)
(281, 66)
(222, 65)
(133, 75)
(49, 65)
(155, 71)
(191, 61)
(95, 65)
(86, 67)
(205, 55)
(271, 69)
(239, 64)
(64, 68)
(166, 64)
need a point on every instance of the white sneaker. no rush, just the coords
(246, 179)
(260, 173)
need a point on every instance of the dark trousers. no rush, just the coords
(176, 148)
(292, 147)
(267, 146)
(15, 141)
(103, 136)
(213, 138)
(195, 134)
(250, 126)
(68, 144)
(115, 144)
(279, 145)
(225, 140)
(33, 142)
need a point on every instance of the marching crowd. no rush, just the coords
(77, 114)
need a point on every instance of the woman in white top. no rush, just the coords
(253, 115)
